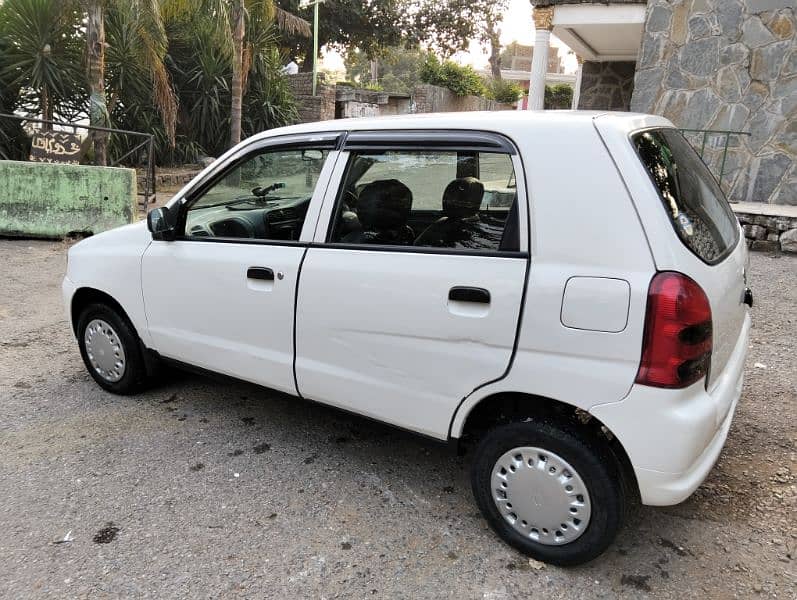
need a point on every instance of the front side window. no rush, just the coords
(691, 196)
(265, 197)
(428, 199)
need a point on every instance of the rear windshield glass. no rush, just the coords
(697, 207)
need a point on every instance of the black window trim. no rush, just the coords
(328, 140)
(422, 250)
(731, 247)
(459, 140)
(390, 140)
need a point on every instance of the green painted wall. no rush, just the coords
(52, 200)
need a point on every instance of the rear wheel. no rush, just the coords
(111, 349)
(553, 495)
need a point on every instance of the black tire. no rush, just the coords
(591, 459)
(135, 373)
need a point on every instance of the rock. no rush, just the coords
(764, 246)
(659, 19)
(790, 68)
(646, 89)
(699, 27)
(735, 54)
(205, 161)
(766, 62)
(755, 34)
(788, 241)
(728, 85)
(680, 16)
(729, 19)
(770, 172)
(781, 26)
(731, 117)
(755, 232)
(700, 109)
(700, 57)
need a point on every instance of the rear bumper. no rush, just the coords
(674, 437)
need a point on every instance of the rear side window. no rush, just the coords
(698, 210)
(455, 199)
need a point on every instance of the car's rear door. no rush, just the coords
(221, 296)
(400, 329)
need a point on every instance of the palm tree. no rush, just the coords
(144, 17)
(42, 51)
(231, 18)
(238, 11)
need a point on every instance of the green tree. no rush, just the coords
(398, 68)
(449, 25)
(42, 53)
(231, 17)
(141, 42)
(368, 25)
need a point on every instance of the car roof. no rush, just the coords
(507, 122)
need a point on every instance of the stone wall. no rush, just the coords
(728, 64)
(769, 232)
(431, 98)
(320, 107)
(606, 85)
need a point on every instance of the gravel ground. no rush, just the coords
(200, 488)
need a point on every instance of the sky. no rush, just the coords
(517, 26)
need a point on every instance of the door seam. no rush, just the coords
(295, 311)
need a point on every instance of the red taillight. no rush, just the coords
(676, 348)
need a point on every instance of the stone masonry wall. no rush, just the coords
(320, 107)
(768, 232)
(431, 98)
(606, 85)
(728, 64)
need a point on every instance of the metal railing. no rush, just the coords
(716, 142)
(149, 142)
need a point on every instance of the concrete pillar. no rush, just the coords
(577, 86)
(543, 24)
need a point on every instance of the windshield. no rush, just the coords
(279, 178)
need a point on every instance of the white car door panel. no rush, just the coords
(403, 334)
(220, 300)
(205, 307)
(376, 332)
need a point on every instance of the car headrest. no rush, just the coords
(463, 197)
(384, 204)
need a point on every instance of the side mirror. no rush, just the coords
(160, 223)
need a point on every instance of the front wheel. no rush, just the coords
(110, 349)
(553, 495)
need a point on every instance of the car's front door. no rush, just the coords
(222, 295)
(410, 296)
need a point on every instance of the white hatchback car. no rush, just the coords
(564, 291)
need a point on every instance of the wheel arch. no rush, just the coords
(505, 407)
(85, 296)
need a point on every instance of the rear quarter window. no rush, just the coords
(698, 210)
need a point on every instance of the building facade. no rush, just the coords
(716, 65)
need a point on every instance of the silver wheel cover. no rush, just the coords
(104, 350)
(540, 495)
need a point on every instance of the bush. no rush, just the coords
(505, 91)
(462, 80)
(558, 96)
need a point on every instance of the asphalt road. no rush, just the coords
(200, 488)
